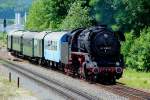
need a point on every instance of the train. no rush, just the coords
(89, 53)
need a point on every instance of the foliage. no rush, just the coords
(3, 39)
(126, 14)
(126, 46)
(133, 14)
(38, 17)
(130, 16)
(78, 16)
(58, 9)
(47, 14)
(137, 51)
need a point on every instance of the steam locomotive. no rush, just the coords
(92, 53)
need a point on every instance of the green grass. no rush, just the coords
(132, 78)
(3, 39)
(9, 89)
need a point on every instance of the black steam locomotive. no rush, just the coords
(97, 51)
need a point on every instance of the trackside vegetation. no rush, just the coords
(3, 39)
(130, 16)
(137, 50)
(136, 79)
(9, 90)
(78, 16)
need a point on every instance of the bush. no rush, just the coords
(137, 51)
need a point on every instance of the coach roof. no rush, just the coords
(56, 35)
(29, 35)
(18, 33)
(41, 34)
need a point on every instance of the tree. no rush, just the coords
(47, 14)
(58, 9)
(37, 18)
(133, 15)
(78, 16)
(125, 14)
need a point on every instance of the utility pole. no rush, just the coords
(4, 25)
(4, 32)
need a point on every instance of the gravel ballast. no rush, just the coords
(96, 91)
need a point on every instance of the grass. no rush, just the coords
(3, 39)
(8, 90)
(132, 78)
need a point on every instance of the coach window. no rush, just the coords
(51, 47)
(17, 40)
(56, 45)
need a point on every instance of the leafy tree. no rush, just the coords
(133, 15)
(47, 14)
(37, 18)
(124, 14)
(58, 9)
(78, 16)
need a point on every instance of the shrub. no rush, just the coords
(137, 51)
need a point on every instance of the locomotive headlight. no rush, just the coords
(117, 64)
(105, 35)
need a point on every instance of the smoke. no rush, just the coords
(103, 11)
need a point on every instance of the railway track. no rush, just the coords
(62, 89)
(118, 89)
(131, 93)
